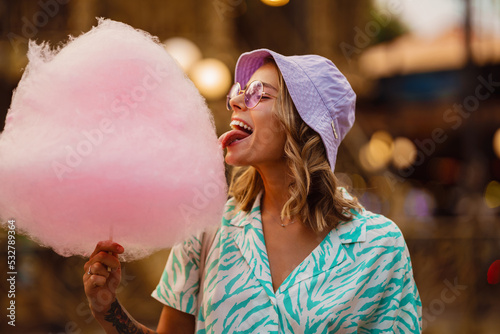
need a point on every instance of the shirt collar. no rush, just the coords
(353, 230)
(349, 231)
(243, 218)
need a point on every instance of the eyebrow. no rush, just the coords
(269, 86)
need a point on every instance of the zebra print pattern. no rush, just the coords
(358, 280)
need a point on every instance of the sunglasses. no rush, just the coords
(252, 94)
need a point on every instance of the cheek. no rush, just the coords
(271, 132)
(266, 137)
(271, 141)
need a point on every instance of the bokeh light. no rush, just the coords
(419, 203)
(404, 154)
(211, 77)
(275, 3)
(185, 52)
(492, 194)
(496, 143)
(494, 273)
(381, 145)
(377, 153)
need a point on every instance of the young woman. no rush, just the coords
(294, 253)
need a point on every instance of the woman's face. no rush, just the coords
(260, 141)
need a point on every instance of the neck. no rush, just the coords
(276, 181)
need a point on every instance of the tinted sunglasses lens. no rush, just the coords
(235, 88)
(253, 94)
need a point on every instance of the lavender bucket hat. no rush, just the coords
(322, 95)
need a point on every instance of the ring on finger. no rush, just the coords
(89, 272)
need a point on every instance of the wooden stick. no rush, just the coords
(110, 238)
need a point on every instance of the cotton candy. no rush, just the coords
(107, 138)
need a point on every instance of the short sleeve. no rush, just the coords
(395, 305)
(409, 316)
(179, 283)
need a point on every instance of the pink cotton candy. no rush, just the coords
(107, 136)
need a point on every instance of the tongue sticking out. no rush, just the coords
(231, 137)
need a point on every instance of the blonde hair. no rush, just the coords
(313, 193)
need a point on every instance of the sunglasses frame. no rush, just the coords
(240, 91)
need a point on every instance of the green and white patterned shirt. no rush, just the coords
(358, 280)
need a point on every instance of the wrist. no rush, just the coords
(100, 306)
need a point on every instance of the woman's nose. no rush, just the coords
(238, 103)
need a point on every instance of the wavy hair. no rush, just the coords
(313, 193)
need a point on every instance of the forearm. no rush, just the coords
(118, 320)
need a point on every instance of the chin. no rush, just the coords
(235, 162)
(238, 158)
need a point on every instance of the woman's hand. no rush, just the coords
(99, 282)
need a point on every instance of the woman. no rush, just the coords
(294, 253)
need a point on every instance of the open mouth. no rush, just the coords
(238, 125)
(240, 130)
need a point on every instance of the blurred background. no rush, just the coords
(425, 149)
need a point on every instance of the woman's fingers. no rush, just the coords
(100, 283)
(107, 246)
(104, 256)
(98, 265)
(98, 269)
(97, 281)
(105, 253)
(109, 260)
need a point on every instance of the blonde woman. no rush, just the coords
(294, 252)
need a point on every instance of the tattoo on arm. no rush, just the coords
(121, 321)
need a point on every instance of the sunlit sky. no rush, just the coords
(430, 18)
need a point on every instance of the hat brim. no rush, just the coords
(248, 63)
